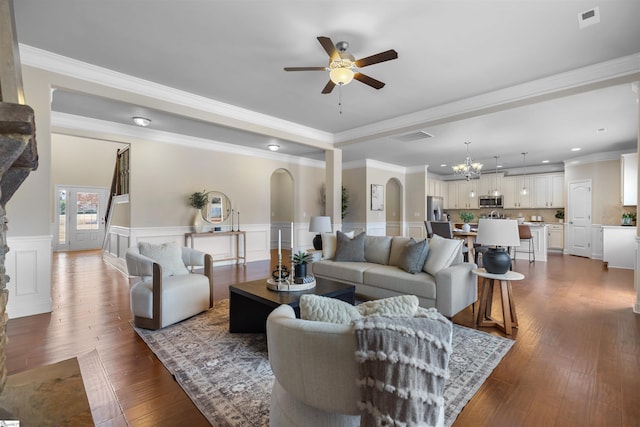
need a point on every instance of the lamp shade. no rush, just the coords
(341, 75)
(498, 232)
(320, 224)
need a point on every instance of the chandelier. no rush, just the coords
(468, 169)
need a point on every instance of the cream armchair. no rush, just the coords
(159, 299)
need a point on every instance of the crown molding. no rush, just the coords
(616, 71)
(597, 157)
(63, 123)
(69, 67)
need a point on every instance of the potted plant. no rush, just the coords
(628, 218)
(466, 217)
(199, 200)
(301, 259)
(560, 215)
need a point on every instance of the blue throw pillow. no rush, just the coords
(414, 254)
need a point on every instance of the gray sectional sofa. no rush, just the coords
(444, 282)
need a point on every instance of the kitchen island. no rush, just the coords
(540, 243)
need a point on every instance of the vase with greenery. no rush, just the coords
(301, 259)
(628, 218)
(466, 216)
(560, 215)
(345, 201)
(199, 200)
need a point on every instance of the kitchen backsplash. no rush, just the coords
(546, 215)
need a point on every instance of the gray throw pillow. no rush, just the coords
(349, 249)
(414, 255)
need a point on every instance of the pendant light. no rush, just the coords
(496, 192)
(524, 190)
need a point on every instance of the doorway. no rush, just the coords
(579, 221)
(282, 212)
(80, 215)
(393, 207)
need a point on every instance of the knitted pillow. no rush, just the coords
(325, 309)
(400, 306)
(168, 255)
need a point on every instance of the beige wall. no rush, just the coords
(605, 196)
(377, 175)
(416, 196)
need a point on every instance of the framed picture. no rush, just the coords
(377, 197)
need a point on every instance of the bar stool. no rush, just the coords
(525, 234)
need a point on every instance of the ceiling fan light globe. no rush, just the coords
(341, 76)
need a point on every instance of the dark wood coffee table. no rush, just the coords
(250, 303)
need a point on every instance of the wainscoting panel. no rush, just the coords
(28, 265)
(416, 230)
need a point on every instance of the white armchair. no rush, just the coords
(160, 299)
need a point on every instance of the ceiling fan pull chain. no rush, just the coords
(340, 99)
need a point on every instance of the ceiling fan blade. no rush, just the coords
(376, 84)
(305, 68)
(329, 87)
(328, 46)
(377, 58)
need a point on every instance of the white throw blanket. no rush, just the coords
(403, 368)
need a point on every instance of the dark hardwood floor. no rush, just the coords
(575, 362)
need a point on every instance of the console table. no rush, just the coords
(240, 255)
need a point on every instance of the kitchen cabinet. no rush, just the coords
(629, 176)
(619, 246)
(458, 195)
(548, 191)
(555, 233)
(540, 243)
(436, 187)
(512, 192)
(488, 182)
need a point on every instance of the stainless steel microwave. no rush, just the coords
(490, 201)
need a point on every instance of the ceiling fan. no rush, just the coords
(343, 67)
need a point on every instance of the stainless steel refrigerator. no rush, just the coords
(435, 207)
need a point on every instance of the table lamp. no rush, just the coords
(319, 224)
(499, 234)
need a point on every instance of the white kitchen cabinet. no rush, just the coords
(540, 243)
(458, 195)
(629, 175)
(451, 201)
(548, 191)
(555, 234)
(619, 246)
(512, 192)
(488, 182)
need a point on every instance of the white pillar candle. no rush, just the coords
(279, 243)
(292, 238)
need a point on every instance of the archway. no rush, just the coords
(393, 207)
(282, 210)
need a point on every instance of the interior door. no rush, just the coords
(579, 232)
(80, 214)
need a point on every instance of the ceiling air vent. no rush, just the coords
(414, 136)
(590, 17)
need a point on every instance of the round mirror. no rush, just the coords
(218, 208)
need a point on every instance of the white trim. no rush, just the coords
(63, 123)
(636, 278)
(52, 62)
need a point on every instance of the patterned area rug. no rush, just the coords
(229, 379)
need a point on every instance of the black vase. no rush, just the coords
(496, 261)
(300, 270)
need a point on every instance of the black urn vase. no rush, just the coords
(496, 260)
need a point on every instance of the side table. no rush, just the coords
(509, 318)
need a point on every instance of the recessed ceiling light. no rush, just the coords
(141, 121)
(545, 161)
(576, 149)
(499, 166)
(443, 165)
(601, 130)
(273, 147)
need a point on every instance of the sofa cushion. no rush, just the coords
(414, 255)
(350, 249)
(351, 272)
(329, 244)
(394, 279)
(168, 255)
(397, 246)
(400, 306)
(325, 309)
(377, 248)
(442, 253)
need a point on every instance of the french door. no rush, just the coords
(80, 217)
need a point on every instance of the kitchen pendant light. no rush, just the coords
(496, 192)
(524, 190)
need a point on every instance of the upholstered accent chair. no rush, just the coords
(167, 291)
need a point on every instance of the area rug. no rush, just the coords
(229, 379)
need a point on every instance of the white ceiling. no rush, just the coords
(491, 72)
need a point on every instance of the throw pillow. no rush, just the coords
(414, 256)
(397, 246)
(377, 248)
(329, 244)
(349, 249)
(400, 306)
(325, 309)
(168, 255)
(442, 253)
